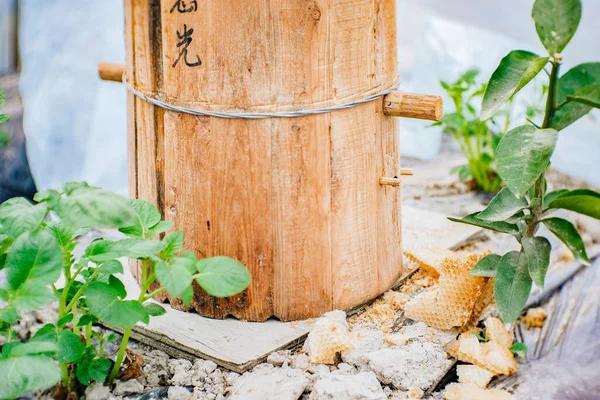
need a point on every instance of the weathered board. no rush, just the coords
(239, 345)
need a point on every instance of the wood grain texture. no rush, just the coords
(297, 200)
(412, 105)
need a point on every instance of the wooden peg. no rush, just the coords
(406, 172)
(412, 105)
(385, 181)
(111, 71)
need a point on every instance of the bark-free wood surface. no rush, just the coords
(297, 200)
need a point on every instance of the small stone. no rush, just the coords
(97, 391)
(178, 393)
(416, 364)
(131, 386)
(341, 386)
(346, 368)
(423, 333)
(364, 342)
(273, 384)
(182, 372)
(301, 361)
(156, 370)
(278, 358)
(231, 378)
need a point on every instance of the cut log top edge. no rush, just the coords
(395, 104)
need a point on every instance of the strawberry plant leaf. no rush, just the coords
(101, 251)
(514, 72)
(174, 244)
(567, 233)
(569, 84)
(16, 349)
(582, 201)
(159, 228)
(19, 215)
(519, 349)
(187, 295)
(27, 374)
(537, 250)
(154, 310)
(556, 22)
(222, 276)
(486, 266)
(32, 296)
(176, 275)
(65, 320)
(116, 284)
(103, 301)
(35, 258)
(498, 226)
(70, 347)
(504, 205)
(94, 208)
(92, 368)
(512, 285)
(110, 267)
(523, 155)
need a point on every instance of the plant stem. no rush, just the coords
(88, 334)
(540, 184)
(120, 355)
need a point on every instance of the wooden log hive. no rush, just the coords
(311, 204)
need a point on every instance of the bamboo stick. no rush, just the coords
(412, 105)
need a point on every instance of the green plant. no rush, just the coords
(37, 244)
(523, 156)
(477, 139)
(4, 136)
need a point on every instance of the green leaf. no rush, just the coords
(16, 349)
(222, 276)
(497, 226)
(519, 349)
(87, 319)
(19, 215)
(556, 22)
(174, 244)
(486, 266)
(101, 251)
(187, 295)
(95, 208)
(514, 72)
(154, 310)
(582, 201)
(147, 216)
(92, 368)
(574, 81)
(116, 284)
(27, 374)
(110, 267)
(523, 155)
(65, 320)
(175, 276)
(31, 296)
(589, 96)
(512, 285)
(554, 195)
(103, 301)
(159, 228)
(35, 258)
(504, 205)
(537, 250)
(9, 315)
(70, 347)
(567, 233)
(5, 242)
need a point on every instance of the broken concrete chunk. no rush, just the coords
(278, 358)
(343, 386)
(270, 383)
(128, 387)
(301, 361)
(178, 393)
(467, 391)
(474, 374)
(364, 341)
(416, 364)
(97, 391)
(421, 332)
(329, 337)
(156, 370)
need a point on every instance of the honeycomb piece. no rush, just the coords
(483, 302)
(429, 257)
(495, 330)
(467, 391)
(329, 336)
(474, 375)
(449, 303)
(490, 355)
(534, 318)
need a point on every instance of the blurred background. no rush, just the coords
(75, 124)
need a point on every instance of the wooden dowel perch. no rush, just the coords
(111, 71)
(386, 181)
(412, 105)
